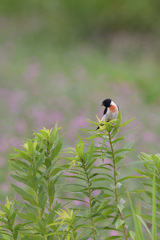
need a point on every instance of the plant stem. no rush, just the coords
(39, 211)
(90, 198)
(74, 238)
(48, 175)
(115, 185)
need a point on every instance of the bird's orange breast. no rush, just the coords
(113, 108)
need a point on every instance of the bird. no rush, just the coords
(110, 111)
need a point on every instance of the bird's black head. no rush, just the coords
(107, 102)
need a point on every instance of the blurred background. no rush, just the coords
(60, 58)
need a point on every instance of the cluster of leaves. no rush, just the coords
(82, 196)
(151, 199)
(36, 174)
(99, 185)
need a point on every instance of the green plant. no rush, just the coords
(79, 193)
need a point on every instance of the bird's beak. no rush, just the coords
(102, 104)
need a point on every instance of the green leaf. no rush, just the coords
(144, 224)
(90, 151)
(103, 205)
(127, 122)
(45, 133)
(12, 219)
(122, 150)
(95, 136)
(119, 158)
(22, 179)
(52, 213)
(131, 177)
(40, 160)
(24, 155)
(119, 118)
(56, 150)
(42, 199)
(19, 165)
(28, 216)
(120, 207)
(87, 120)
(26, 196)
(137, 226)
(51, 191)
(119, 223)
(6, 210)
(132, 234)
(30, 147)
(117, 140)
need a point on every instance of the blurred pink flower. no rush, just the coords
(45, 119)
(3, 144)
(149, 136)
(2, 162)
(5, 187)
(77, 203)
(69, 174)
(3, 93)
(55, 116)
(21, 126)
(87, 201)
(125, 89)
(76, 124)
(15, 142)
(14, 100)
(32, 72)
(96, 192)
(113, 233)
(79, 122)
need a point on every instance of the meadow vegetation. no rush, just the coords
(58, 61)
(85, 196)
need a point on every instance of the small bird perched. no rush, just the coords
(110, 111)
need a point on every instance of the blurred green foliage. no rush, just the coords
(87, 18)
